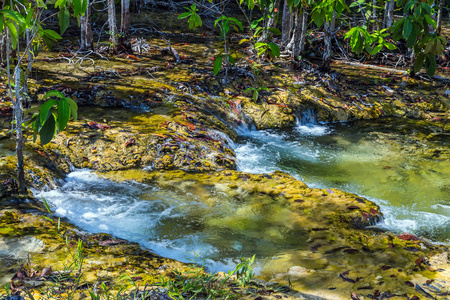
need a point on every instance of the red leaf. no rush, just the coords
(407, 237)
(419, 261)
(409, 283)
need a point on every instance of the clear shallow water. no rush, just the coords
(216, 233)
(369, 159)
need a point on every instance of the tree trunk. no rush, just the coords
(18, 113)
(112, 24)
(300, 34)
(374, 14)
(125, 19)
(286, 26)
(87, 37)
(328, 30)
(389, 14)
(439, 16)
(294, 28)
(3, 48)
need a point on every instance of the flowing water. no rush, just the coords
(369, 159)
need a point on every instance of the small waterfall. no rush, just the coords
(307, 117)
(307, 124)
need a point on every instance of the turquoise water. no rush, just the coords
(389, 162)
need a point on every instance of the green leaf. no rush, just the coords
(13, 15)
(53, 93)
(184, 15)
(376, 49)
(52, 34)
(418, 64)
(430, 21)
(231, 59)
(63, 113)
(217, 65)
(60, 3)
(77, 7)
(259, 45)
(48, 130)
(45, 108)
(275, 31)
(274, 49)
(407, 28)
(390, 46)
(237, 22)
(409, 6)
(13, 32)
(64, 21)
(430, 64)
(73, 108)
(84, 7)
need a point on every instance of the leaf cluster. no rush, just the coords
(52, 117)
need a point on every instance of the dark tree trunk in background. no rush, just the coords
(329, 30)
(286, 25)
(3, 48)
(300, 34)
(389, 14)
(125, 19)
(87, 37)
(439, 16)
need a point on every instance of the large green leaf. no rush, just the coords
(13, 32)
(274, 49)
(77, 7)
(48, 130)
(418, 64)
(63, 113)
(64, 21)
(407, 28)
(45, 108)
(52, 34)
(217, 65)
(13, 15)
(430, 64)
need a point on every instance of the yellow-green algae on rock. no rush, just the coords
(340, 253)
(29, 238)
(167, 138)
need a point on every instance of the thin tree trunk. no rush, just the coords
(389, 14)
(18, 113)
(439, 16)
(87, 37)
(112, 24)
(286, 26)
(2, 47)
(374, 14)
(125, 19)
(328, 29)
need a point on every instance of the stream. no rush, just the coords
(370, 159)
